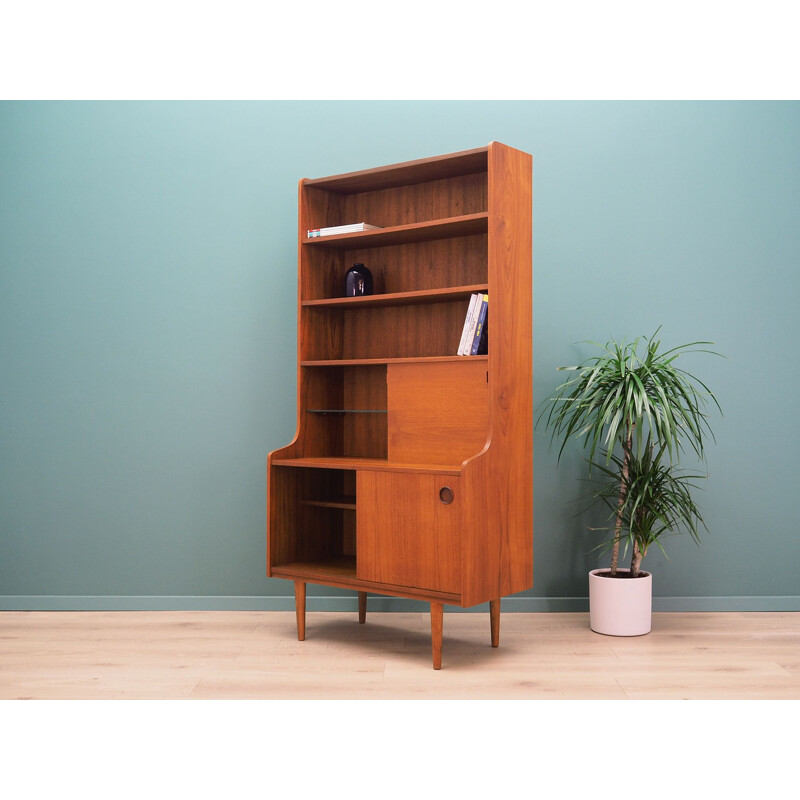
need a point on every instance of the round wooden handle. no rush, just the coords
(446, 495)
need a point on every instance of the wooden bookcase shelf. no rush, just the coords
(381, 464)
(344, 362)
(341, 572)
(400, 298)
(410, 473)
(465, 225)
(348, 503)
(341, 567)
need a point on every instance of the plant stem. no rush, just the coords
(636, 560)
(626, 450)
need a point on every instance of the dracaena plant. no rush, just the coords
(656, 502)
(625, 401)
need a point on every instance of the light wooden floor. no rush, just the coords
(252, 655)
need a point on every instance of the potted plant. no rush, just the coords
(634, 406)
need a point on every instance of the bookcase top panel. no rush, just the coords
(465, 162)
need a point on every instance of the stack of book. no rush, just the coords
(337, 229)
(474, 336)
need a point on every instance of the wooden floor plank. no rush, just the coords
(256, 655)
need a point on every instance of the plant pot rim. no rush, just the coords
(604, 572)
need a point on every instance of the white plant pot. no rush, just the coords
(620, 606)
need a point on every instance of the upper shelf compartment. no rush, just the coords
(465, 225)
(413, 202)
(467, 162)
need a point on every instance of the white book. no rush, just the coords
(337, 229)
(472, 301)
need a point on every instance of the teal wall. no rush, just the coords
(147, 329)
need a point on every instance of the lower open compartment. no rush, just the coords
(313, 520)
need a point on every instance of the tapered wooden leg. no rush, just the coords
(362, 607)
(300, 608)
(437, 612)
(494, 618)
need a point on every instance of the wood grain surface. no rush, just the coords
(383, 398)
(405, 534)
(437, 415)
(256, 655)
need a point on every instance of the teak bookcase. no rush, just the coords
(411, 472)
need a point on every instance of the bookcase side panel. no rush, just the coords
(499, 483)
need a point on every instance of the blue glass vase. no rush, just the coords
(357, 281)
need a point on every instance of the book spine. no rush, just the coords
(483, 345)
(476, 338)
(467, 320)
(472, 324)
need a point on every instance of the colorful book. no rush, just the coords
(467, 320)
(483, 343)
(337, 229)
(476, 337)
(473, 322)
